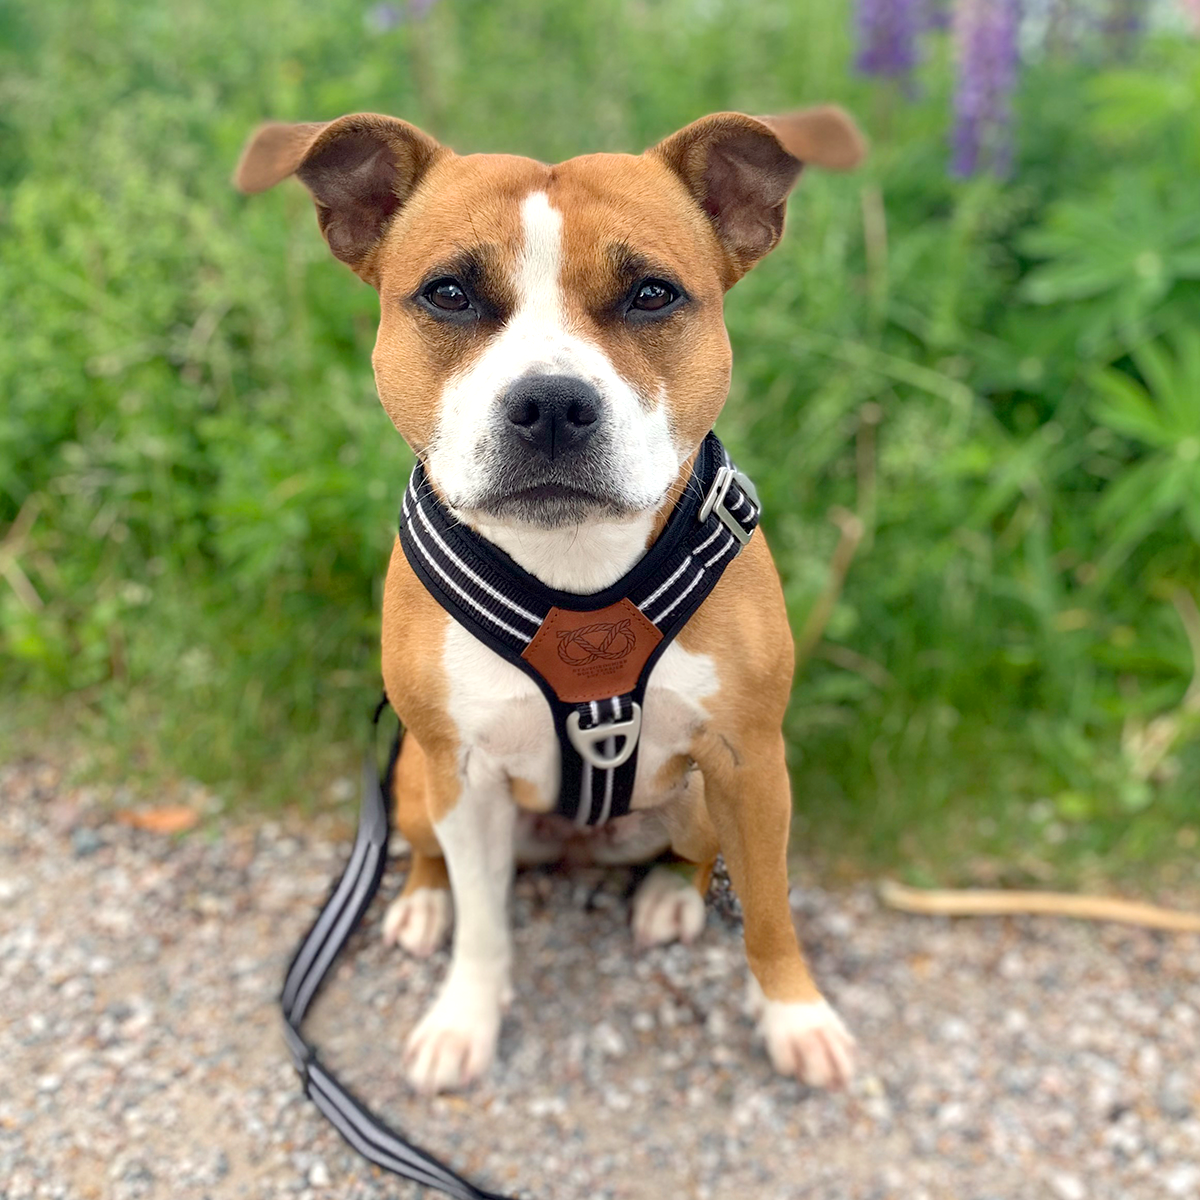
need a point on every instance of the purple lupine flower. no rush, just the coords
(887, 36)
(987, 55)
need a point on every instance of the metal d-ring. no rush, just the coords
(586, 741)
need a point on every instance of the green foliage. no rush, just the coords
(1001, 380)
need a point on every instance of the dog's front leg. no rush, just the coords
(748, 796)
(474, 818)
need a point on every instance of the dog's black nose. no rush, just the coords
(553, 414)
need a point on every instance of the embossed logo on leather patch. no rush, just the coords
(592, 655)
(611, 641)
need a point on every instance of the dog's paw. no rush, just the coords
(455, 1042)
(808, 1041)
(667, 908)
(418, 921)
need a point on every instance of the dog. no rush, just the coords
(601, 277)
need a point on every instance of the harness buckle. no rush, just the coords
(587, 741)
(717, 495)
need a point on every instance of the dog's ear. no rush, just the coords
(360, 169)
(740, 170)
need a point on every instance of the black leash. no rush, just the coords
(337, 920)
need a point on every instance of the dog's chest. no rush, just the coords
(506, 732)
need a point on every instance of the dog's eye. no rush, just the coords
(654, 295)
(447, 294)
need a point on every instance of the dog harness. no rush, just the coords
(591, 656)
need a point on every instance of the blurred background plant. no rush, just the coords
(968, 385)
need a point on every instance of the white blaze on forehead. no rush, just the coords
(539, 265)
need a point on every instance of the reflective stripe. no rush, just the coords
(610, 748)
(479, 608)
(320, 931)
(723, 551)
(679, 570)
(679, 599)
(708, 541)
(340, 932)
(462, 566)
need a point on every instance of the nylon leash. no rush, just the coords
(339, 917)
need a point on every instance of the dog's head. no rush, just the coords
(551, 339)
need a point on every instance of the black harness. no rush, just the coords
(591, 656)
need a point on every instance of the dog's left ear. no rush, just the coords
(740, 170)
(360, 169)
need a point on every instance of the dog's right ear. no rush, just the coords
(360, 169)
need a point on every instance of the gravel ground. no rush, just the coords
(140, 1052)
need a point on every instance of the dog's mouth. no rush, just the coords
(550, 505)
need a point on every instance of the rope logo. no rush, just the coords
(610, 641)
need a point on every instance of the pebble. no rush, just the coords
(85, 842)
(1175, 1096)
(1068, 1187)
(1183, 1180)
(1000, 1060)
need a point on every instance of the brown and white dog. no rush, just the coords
(608, 269)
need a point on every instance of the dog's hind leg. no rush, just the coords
(419, 919)
(669, 904)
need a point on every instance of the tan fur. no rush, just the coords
(825, 136)
(526, 796)
(411, 806)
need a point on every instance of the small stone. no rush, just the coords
(608, 1041)
(318, 1174)
(1068, 1187)
(85, 841)
(1183, 1181)
(1174, 1097)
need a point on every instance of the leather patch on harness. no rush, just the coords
(592, 655)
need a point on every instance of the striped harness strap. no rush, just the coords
(591, 655)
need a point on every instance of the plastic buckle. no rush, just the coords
(586, 741)
(717, 495)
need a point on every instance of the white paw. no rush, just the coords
(419, 921)
(455, 1042)
(808, 1041)
(667, 908)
